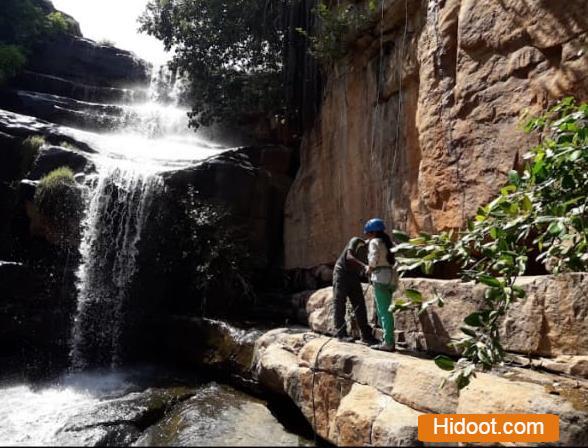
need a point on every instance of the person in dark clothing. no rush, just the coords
(350, 267)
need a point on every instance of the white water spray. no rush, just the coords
(155, 138)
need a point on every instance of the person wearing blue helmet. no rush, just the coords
(381, 271)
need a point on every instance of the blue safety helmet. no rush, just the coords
(374, 225)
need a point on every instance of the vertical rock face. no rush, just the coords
(419, 123)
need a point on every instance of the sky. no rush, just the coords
(115, 20)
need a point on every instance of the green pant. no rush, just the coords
(383, 301)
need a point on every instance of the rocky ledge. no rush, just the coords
(548, 329)
(356, 396)
(353, 395)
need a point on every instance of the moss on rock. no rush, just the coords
(59, 202)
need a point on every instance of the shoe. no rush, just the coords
(345, 338)
(384, 347)
(369, 341)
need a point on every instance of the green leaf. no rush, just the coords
(575, 155)
(489, 281)
(556, 228)
(400, 236)
(462, 382)
(468, 331)
(526, 204)
(445, 363)
(474, 320)
(414, 296)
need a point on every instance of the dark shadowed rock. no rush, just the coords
(54, 85)
(253, 182)
(88, 62)
(62, 110)
(53, 157)
(10, 157)
(15, 127)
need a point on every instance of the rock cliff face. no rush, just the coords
(419, 121)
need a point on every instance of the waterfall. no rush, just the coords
(118, 206)
(119, 200)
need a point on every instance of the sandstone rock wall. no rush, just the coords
(430, 142)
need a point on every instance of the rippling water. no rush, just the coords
(143, 407)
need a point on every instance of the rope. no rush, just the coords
(314, 368)
(400, 86)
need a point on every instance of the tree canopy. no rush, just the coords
(22, 24)
(230, 50)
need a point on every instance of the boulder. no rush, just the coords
(64, 111)
(253, 183)
(53, 157)
(16, 127)
(85, 61)
(355, 396)
(551, 321)
(208, 343)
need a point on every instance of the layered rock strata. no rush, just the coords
(355, 396)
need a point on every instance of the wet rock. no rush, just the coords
(62, 110)
(140, 409)
(107, 435)
(54, 85)
(11, 158)
(219, 416)
(88, 62)
(19, 127)
(253, 183)
(53, 157)
(199, 342)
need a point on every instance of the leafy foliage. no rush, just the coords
(217, 252)
(22, 24)
(542, 210)
(231, 50)
(57, 23)
(12, 61)
(337, 26)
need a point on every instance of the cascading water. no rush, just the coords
(118, 206)
(150, 138)
(94, 406)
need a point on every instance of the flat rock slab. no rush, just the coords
(353, 395)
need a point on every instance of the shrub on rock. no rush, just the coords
(30, 151)
(59, 202)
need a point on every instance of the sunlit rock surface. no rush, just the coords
(346, 389)
(551, 321)
(353, 395)
(438, 138)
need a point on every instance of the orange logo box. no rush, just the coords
(488, 428)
